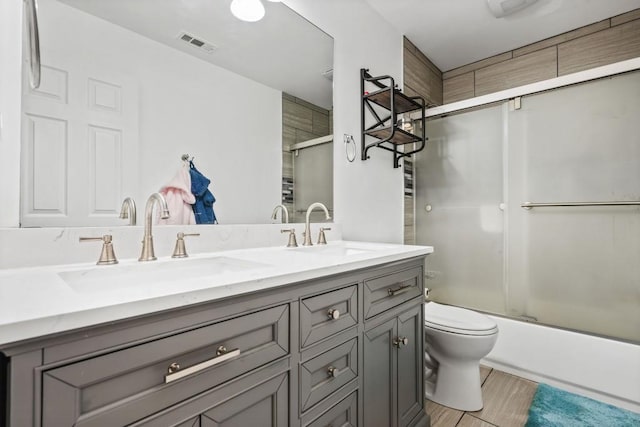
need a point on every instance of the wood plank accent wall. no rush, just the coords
(605, 42)
(421, 77)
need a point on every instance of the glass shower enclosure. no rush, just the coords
(533, 207)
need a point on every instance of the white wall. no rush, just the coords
(10, 57)
(368, 196)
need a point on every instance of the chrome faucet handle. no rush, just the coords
(322, 240)
(107, 256)
(293, 243)
(180, 251)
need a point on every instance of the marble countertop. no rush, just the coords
(39, 301)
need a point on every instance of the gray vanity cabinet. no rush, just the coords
(344, 350)
(123, 386)
(393, 360)
(393, 346)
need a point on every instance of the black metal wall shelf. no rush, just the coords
(385, 130)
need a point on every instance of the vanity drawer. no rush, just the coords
(129, 384)
(343, 414)
(327, 314)
(327, 372)
(385, 292)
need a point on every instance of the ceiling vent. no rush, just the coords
(502, 8)
(197, 42)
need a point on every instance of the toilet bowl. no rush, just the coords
(455, 341)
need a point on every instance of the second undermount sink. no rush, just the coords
(131, 275)
(341, 249)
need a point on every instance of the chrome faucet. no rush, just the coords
(284, 218)
(128, 210)
(147, 241)
(307, 228)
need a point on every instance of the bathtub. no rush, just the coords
(600, 368)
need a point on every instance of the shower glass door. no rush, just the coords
(574, 267)
(577, 267)
(459, 180)
(312, 180)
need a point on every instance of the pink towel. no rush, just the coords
(179, 199)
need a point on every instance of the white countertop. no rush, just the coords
(39, 301)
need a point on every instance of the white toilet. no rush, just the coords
(455, 341)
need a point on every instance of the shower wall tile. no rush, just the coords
(320, 122)
(288, 137)
(601, 43)
(565, 37)
(297, 116)
(525, 69)
(477, 65)
(459, 87)
(605, 47)
(421, 77)
(625, 17)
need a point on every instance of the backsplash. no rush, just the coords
(32, 247)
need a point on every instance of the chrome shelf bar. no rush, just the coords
(529, 205)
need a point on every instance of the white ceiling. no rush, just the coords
(457, 32)
(292, 61)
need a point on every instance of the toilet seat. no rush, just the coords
(457, 320)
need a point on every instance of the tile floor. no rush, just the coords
(506, 403)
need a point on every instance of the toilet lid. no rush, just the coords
(457, 320)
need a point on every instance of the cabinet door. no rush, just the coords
(380, 380)
(258, 399)
(410, 362)
(265, 405)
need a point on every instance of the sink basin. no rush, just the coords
(340, 250)
(131, 275)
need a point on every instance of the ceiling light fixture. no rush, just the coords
(502, 8)
(247, 10)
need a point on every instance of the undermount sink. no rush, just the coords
(340, 250)
(174, 270)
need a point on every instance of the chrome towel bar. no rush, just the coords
(529, 205)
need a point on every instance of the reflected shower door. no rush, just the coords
(577, 267)
(313, 180)
(459, 189)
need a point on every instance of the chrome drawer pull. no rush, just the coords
(175, 373)
(333, 372)
(399, 342)
(400, 290)
(334, 314)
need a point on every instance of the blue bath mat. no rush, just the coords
(552, 407)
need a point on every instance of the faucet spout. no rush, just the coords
(284, 218)
(307, 227)
(128, 210)
(148, 253)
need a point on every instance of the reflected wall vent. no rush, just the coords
(197, 42)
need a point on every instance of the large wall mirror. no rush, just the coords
(130, 86)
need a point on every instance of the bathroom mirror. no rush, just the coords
(128, 87)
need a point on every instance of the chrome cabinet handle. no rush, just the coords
(333, 371)
(175, 373)
(398, 291)
(400, 341)
(334, 314)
